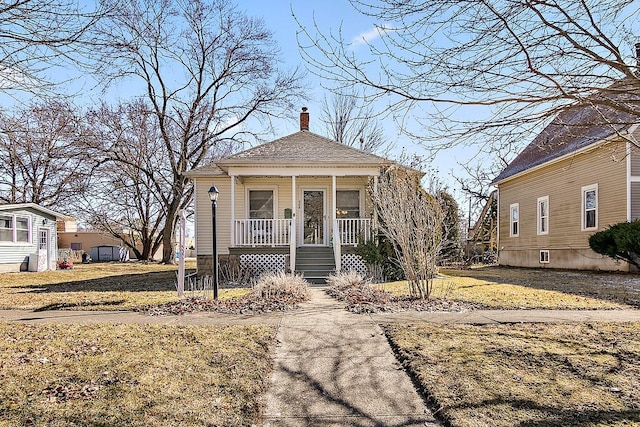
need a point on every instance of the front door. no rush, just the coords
(43, 250)
(313, 217)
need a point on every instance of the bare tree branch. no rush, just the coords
(208, 70)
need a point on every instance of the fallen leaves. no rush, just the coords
(272, 293)
(362, 298)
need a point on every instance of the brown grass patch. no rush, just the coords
(622, 288)
(513, 289)
(525, 374)
(132, 375)
(99, 286)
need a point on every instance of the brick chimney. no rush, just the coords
(304, 119)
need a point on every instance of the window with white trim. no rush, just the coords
(544, 256)
(22, 230)
(261, 204)
(543, 215)
(590, 207)
(14, 229)
(348, 204)
(514, 220)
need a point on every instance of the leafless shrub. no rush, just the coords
(347, 279)
(412, 219)
(281, 285)
(232, 274)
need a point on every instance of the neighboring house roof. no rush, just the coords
(578, 127)
(14, 206)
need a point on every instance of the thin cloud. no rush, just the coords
(368, 36)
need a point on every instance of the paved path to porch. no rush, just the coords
(335, 368)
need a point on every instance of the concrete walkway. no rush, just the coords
(334, 368)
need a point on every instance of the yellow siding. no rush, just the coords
(563, 182)
(204, 224)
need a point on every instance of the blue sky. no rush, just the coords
(331, 15)
(277, 14)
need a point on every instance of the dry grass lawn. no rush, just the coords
(506, 288)
(525, 374)
(617, 287)
(98, 286)
(132, 375)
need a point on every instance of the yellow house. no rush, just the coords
(577, 177)
(298, 203)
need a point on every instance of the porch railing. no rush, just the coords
(262, 232)
(354, 230)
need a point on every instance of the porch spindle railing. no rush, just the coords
(263, 232)
(354, 230)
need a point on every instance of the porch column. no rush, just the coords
(337, 250)
(293, 240)
(375, 211)
(233, 211)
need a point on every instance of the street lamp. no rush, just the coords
(213, 196)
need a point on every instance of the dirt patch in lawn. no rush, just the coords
(133, 375)
(623, 288)
(99, 286)
(525, 374)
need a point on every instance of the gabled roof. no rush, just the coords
(14, 206)
(579, 127)
(303, 147)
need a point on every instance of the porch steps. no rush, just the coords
(315, 263)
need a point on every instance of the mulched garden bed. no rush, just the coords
(273, 292)
(243, 305)
(362, 298)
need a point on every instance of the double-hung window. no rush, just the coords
(590, 207)
(347, 204)
(514, 220)
(261, 204)
(543, 215)
(14, 229)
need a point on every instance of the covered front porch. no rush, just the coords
(301, 212)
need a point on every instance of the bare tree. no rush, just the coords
(475, 71)
(412, 220)
(126, 148)
(347, 122)
(38, 34)
(207, 70)
(45, 160)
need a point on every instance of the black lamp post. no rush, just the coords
(213, 195)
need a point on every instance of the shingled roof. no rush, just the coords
(578, 127)
(303, 147)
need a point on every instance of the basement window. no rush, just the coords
(544, 256)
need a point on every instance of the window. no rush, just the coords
(590, 207)
(76, 246)
(543, 215)
(544, 256)
(348, 204)
(44, 240)
(22, 230)
(261, 204)
(14, 229)
(514, 216)
(6, 228)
